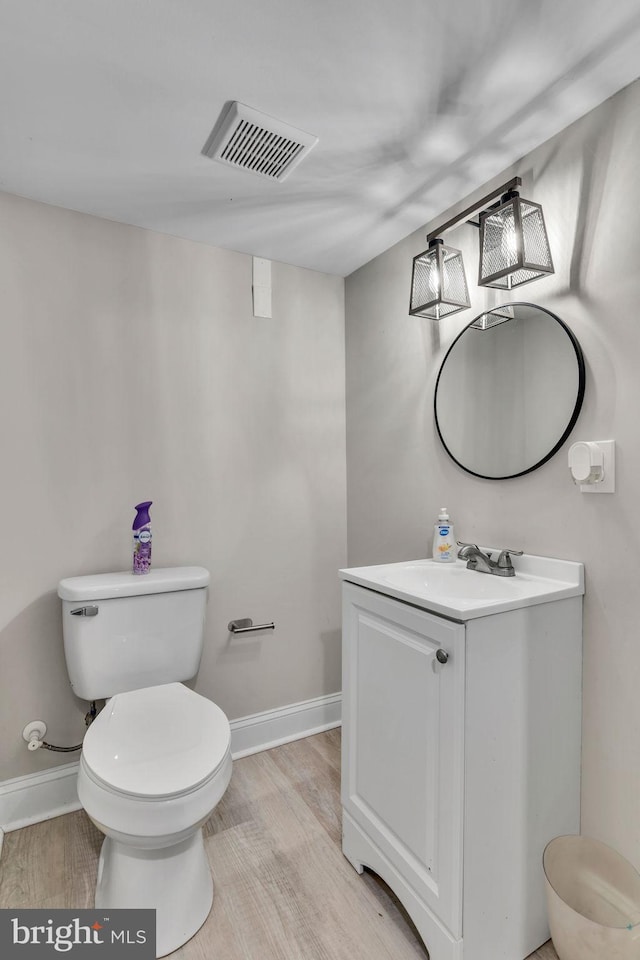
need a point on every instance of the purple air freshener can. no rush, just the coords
(142, 538)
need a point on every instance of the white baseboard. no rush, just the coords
(38, 796)
(262, 731)
(50, 793)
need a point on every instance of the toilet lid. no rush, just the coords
(157, 742)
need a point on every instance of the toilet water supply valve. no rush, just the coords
(33, 734)
(35, 731)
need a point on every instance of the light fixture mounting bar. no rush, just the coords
(504, 188)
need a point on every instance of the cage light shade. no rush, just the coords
(514, 247)
(438, 282)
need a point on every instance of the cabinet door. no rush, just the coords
(403, 751)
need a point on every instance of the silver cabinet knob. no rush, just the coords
(442, 656)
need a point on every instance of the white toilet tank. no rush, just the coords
(124, 632)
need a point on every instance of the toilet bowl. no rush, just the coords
(154, 765)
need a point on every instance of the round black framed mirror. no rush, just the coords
(509, 391)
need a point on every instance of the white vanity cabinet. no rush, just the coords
(461, 756)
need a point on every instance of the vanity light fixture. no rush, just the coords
(438, 283)
(514, 249)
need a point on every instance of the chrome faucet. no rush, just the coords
(482, 562)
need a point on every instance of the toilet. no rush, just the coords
(157, 758)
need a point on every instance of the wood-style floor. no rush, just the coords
(284, 891)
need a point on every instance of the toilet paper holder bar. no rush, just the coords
(246, 625)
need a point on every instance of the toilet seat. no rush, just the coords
(156, 743)
(154, 764)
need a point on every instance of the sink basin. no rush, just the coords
(454, 581)
(453, 591)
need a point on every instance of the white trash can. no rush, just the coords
(593, 898)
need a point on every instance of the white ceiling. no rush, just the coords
(106, 105)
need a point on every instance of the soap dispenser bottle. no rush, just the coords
(444, 541)
(142, 538)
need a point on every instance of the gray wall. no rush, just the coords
(131, 368)
(398, 473)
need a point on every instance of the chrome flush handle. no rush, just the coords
(89, 611)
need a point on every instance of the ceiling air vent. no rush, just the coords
(249, 140)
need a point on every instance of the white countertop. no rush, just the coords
(453, 591)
